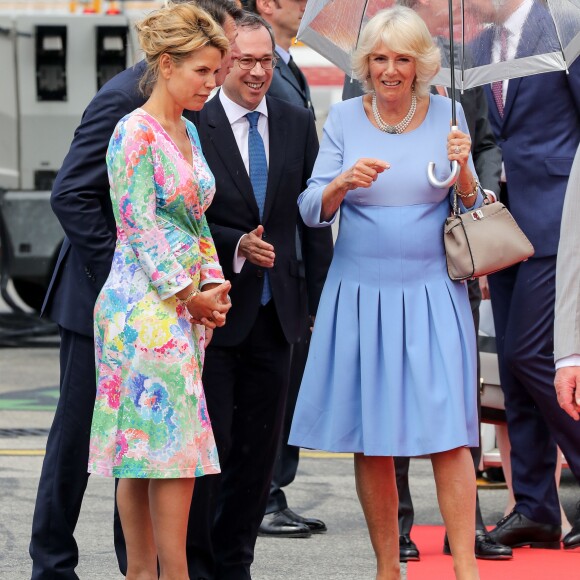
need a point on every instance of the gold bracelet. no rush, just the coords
(192, 294)
(464, 195)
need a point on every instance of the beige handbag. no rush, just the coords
(483, 241)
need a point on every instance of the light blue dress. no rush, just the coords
(392, 363)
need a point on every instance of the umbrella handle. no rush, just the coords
(446, 183)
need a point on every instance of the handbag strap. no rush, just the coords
(456, 210)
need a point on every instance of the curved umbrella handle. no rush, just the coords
(446, 183)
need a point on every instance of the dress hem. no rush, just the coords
(209, 469)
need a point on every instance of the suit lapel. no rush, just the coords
(277, 128)
(225, 145)
(289, 77)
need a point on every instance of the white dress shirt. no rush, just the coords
(236, 115)
(513, 26)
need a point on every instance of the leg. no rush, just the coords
(134, 511)
(523, 302)
(118, 538)
(169, 501)
(260, 388)
(219, 380)
(64, 476)
(406, 513)
(377, 492)
(503, 444)
(455, 481)
(408, 550)
(288, 523)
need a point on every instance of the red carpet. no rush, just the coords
(526, 564)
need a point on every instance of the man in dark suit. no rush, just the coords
(487, 160)
(262, 151)
(538, 145)
(288, 84)
(81, 201)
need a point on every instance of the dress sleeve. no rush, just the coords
(328, 165)
(131, 164)
(211, 271)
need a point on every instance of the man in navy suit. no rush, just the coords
(253, 221)
(81, 201)
(536, 121)
(288, 84)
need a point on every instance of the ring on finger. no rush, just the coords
(457, 150)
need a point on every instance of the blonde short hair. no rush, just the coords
(177, 30)
(401, 30)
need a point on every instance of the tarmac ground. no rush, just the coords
(324, 488)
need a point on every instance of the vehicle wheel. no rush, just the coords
(31, 293)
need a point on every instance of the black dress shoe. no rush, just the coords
(408, 551)
(572, 538)
(279, 525)
(315, 526)
(516, 530)
(485, 547)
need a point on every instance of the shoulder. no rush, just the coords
(282, 107)
(135, 126)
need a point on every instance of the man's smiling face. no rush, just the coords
(248, 87)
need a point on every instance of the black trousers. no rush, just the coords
(406, 511)
(246, 388)
(64, 476)
(523, 300)
(287, 457)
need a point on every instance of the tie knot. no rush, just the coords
(253, 119)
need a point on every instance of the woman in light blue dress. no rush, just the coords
(392, 363)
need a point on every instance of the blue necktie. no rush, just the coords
(259, 179)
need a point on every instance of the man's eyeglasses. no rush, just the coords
(249, 62)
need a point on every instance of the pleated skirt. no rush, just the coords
(392, 362)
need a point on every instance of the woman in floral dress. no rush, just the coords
(164, 295)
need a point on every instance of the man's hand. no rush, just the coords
(256, 250)
(567, 383)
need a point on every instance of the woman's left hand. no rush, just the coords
(458, 147)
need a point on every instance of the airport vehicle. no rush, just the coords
(51, 64)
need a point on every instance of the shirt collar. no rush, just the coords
(235, 112)
(283, 54)
(515, 21)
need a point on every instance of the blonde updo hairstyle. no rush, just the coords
(177, 30)
(403, 31)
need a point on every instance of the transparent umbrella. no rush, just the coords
(481, 41)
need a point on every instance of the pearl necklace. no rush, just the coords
(401, 125)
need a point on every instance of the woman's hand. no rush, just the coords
(362, 174)
(458, 147)
(211, 305)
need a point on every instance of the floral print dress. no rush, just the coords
(150, 418)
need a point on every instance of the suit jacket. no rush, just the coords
(285, 86)
(567, 322)
(81, 201)
(234, 212)
(538, 134)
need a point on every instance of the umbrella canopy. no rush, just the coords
(332, 28)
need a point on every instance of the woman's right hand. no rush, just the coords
(362, 174)
(210, 306)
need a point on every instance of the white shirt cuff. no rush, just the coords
(568, 361)
(239, 261)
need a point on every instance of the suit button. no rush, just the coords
(260, 273)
